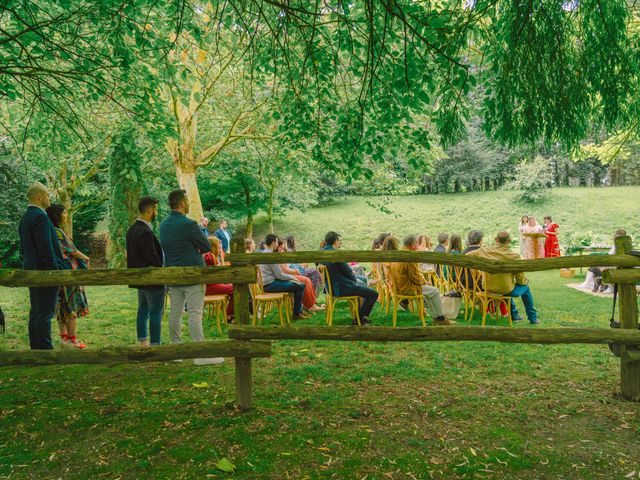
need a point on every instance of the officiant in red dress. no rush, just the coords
(551, 245)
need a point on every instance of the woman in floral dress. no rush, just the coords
(72, 300)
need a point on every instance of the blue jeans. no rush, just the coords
(151, 308)
(290, 287)
(524, 292)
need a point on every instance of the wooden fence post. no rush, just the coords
(241, 314)
(629, 370)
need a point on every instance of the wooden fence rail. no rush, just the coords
(478, 263)
(244, 345)
(162, 353)
(441, 334)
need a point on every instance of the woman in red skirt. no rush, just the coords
(551, 245)
(211, 259)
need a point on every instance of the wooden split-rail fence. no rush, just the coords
(247, 342)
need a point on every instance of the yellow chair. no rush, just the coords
(353, 301)
(216, 306)
(463, 280)
(379, 284)
(264, 302)
(396, 297)
(486, 299)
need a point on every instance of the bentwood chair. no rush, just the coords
(216, 306)
(264, 302)
(352, 301)
(415, 299)
(488, 300)
(464, 280)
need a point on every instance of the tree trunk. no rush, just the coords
(248, 203)
(272, 189)
(188, 182)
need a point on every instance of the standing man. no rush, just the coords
(224, 236)
(408, 279)
(40, 251)
(344, 282)
(204, 226)
(183, 245)
(144, 250)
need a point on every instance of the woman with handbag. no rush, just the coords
(72, 300)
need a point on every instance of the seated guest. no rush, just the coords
(443, 243)
(249, 245)
(309, 297)
(261, 247)
(408, 280)
(344, 282)
(455, 245)
(424, 243)
(474, 241)
(509, 284)
(274, 280)
(211, 259)
(311, 273)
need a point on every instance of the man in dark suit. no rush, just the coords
(344, 281)
(144, 250)
(224, 236)
(40, 251)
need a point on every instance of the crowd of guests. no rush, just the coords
(183, 242)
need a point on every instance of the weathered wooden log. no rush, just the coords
(440, 334)
(630, 356)
(244, 380)
(491, 266)
(629, 371)
(127, 276)
(162, 353)
(621, 276)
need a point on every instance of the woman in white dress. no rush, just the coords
(532, 227)
(523, 223)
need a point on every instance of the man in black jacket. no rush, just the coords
(40, 251)
(144, 250)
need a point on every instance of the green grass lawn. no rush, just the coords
(596, 212)
(327, 410)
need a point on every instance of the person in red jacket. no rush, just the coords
(551, 245)
(211, 260)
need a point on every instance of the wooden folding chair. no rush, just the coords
(216, 306)
(353, 301)
(264, 302)
(396, 298)
(485, 299)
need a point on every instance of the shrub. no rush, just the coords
(533, 179)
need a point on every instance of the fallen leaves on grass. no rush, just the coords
(200, 385)
(225, 465)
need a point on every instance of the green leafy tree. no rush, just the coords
(533, 179)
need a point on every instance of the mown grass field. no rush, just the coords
(326, 409)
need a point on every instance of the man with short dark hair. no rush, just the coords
(407, 279)
(274, 280)
(183, 245)
(474, 241)
(40, 251)
(509, 284)
(443, 242)
(204, 226)
(144, 250)
(344, 281)
(224, 236)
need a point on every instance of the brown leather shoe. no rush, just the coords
(301, 316)
(444, 321)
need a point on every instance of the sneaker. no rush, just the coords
(517, 318)
(208, 361)
(535, 321)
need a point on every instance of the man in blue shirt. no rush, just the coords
(345, 284)
(183, 244)
(224, 236)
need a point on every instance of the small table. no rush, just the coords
(536, 245)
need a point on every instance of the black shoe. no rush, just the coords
(364, 321)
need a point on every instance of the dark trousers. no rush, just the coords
(369, 295)
(281, 286)
(43, 307)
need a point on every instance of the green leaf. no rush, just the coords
(225, 465)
